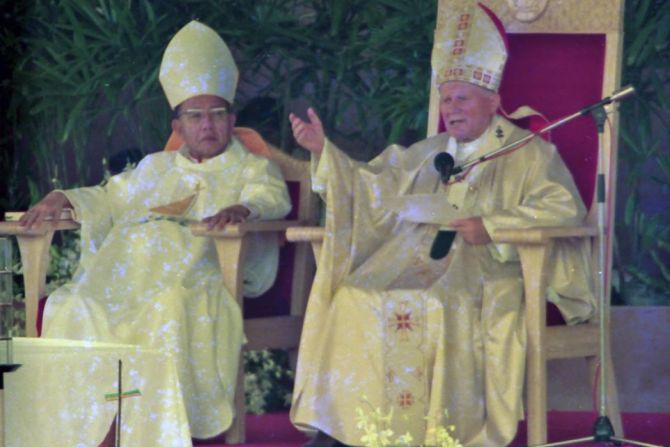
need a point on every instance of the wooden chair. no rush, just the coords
(288, 295)
(568, 38)
(269, 332)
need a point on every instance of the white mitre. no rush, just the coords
(469, 46)
(197, 62)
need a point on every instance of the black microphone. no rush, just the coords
(444, 164)
(442, 244)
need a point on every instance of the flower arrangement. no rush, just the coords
(376, 432)
(267, 381)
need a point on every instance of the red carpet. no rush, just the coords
(275, 430)
(272, 429)
(652, 428)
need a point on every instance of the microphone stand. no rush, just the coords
(603, 431)
(616, 96)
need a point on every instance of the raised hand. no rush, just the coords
(309, 134)
(49, 207)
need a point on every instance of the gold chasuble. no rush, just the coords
(145, 280)
(389, 328)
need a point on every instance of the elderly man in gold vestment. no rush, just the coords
(144, 279)
(432, 342)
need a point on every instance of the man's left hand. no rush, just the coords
(472, 230)
(231, 214)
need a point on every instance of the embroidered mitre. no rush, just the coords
(197, 62)
(469, 46)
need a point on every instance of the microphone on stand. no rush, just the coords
(444, 164)
(617, 95)
(622, 93)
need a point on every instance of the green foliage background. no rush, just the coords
(642, 248)
(78, 84)
(84, 80)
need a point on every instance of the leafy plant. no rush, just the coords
(85, 76)
(80, 76)
(268, 381)
(643, 228)
(82, 84)
(365, 66)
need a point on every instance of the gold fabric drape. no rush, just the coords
(144, 279)
(387, 327)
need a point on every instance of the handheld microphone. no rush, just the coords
(442, 244)
(444, 164)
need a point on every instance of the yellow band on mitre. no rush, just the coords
(197, 62)
(469, 47)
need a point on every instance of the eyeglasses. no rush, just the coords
(195, 116)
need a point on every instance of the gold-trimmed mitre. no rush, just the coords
(469, 46)
(197, 62)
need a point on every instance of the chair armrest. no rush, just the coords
(14, 229)
(533, 245)
(231, 247)
(305, 234)
(314, 235)
(34, 246)
(541, 235)
(533, 236)
(512, 236)
(10, 226)
(239, 230)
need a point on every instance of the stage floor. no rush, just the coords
(275, 430)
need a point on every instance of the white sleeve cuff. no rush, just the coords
(500, 252)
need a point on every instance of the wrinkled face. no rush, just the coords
(466, 109)
(205, 123)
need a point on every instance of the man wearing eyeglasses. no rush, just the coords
(205, 124)
(143, 278)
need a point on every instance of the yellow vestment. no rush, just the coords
(145, 280)
(388, 327)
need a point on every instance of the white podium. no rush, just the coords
(58, 396)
